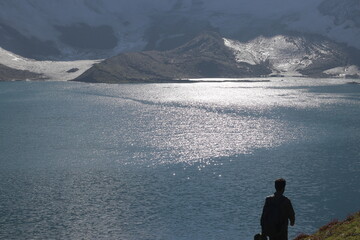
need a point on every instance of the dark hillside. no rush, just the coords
(10, 74)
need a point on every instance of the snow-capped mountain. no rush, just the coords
(59, 33)
(84, 29)
(294, 55)
(209, 55)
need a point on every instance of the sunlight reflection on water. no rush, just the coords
(189, 122)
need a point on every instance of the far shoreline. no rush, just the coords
(354, 81)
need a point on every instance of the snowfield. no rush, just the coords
(344, 71)
(285, 55)
(52, 70)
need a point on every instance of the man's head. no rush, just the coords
(280, 185)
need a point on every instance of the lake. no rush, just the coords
(174, 161)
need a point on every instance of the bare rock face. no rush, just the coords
(72, 70)
(10, 74)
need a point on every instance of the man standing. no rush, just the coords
(277, 213)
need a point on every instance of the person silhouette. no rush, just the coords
(277, 213)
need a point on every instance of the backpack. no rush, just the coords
(272, 221)
(260, 237)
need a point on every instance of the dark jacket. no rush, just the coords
(285, 212)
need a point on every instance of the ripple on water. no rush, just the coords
(173, 161)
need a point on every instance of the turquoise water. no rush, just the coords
(174, 161)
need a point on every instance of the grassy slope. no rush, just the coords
(348, 229)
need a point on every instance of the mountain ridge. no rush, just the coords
(64, 30)
(304, 54)
(209, 55)
(203, 56)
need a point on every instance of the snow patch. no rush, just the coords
(347, 71)
(52, 70)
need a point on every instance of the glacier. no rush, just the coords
(51, 70)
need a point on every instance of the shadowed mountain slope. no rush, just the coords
(10, 74)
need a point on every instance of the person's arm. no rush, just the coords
(263, 215)
(291, 214)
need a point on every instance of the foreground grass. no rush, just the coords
(349, 229)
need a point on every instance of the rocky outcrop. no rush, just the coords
(10, 74)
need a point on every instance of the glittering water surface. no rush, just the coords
(174, 161)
